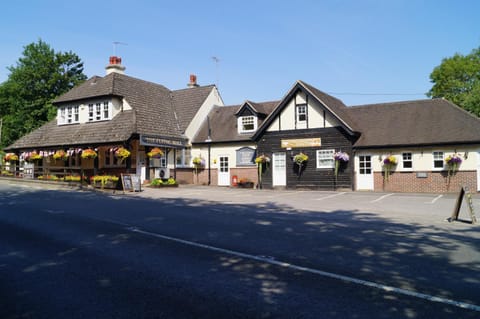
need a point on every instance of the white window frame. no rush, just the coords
(76, 114)
(61, 116)
(247, 120)
(303, 108)
(406, 161)
(325, 158)
(435, 158)
(184, 157)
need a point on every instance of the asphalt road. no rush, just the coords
(211, 253)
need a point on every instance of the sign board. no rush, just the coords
(301, 142)
(246, 156)
(464, 193)
(131, 182)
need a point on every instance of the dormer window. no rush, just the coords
(247, 124)
(68, 115)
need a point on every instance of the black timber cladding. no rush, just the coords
(331, 138)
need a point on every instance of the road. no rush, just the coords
(83, 254)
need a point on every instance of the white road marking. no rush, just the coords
(434, 200)
(381, 197)
(330, 196)
(272, 261)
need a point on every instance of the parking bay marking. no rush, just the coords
(381, 197)
(272, 261)
(330, 196)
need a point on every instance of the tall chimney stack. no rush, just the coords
(115, 65)
(193, 81)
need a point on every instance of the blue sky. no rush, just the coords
(355, 47)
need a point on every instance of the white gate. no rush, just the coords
(141, 169)
(223, 171)
(365, 173)
(279, 169)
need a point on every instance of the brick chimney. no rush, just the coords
(115, 65)
(193, 81)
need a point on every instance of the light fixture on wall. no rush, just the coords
(465, 155)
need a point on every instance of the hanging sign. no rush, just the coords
(301, 142)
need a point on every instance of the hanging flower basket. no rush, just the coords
(155, 153)
(453, 162)
(88, 154)
(32, 157)
(198, 162)
(60, 155)
(389, 163)
(10, 157)
(261, 161)
(122, 153)
(300, 158)
(340, 157)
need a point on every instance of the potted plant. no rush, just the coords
(340, 158)
(155, 152)
(10, 157)
(32, 157)
(300, 160)
(158, 183)
(88, 154)
(453, 162)
(122, 153)
(60, 155)
(389, 163)
(104, 181)
(262, 162)
(245, 183)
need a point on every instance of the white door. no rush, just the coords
(478, 171)
(365, 173)
(279, 170)
(141, 169)
(223, 171)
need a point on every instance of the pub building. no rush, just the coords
(117, 112)
(308, 139)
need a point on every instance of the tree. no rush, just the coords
(39, 76)
(457, 79)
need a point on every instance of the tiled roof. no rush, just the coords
(187, 102)
(52, 135)
(155, 110)
(410, 123)
(223, 123)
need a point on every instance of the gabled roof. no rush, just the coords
(155, 111)
(333, 105)
(223, 123)
(414, 123)
(263, 108)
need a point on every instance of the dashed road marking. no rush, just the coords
(381, 197)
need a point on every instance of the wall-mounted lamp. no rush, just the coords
(465, 155)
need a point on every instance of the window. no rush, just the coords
(98, 111)
(184, 157)
(301, 113)
(407, 160)
(106, 110)
(365, 164)
(69, 114)
(325, 159)
(76, 113)
(111, 159)
(438, 160)
(90, 112)
(247, 124)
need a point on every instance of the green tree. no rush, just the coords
(40, 75)
(457, 79)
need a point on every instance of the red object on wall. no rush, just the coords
(235, 180)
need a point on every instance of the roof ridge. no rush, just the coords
(395, 102)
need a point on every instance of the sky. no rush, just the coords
(360, 51)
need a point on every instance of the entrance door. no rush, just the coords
(365, 173)
(223, 171)
(478, 171)
(279, 170)
(141, 169)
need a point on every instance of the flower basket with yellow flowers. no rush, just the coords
(32, 157)
(10, 157)
(60, 155)
(104, 181)
(88, 154)
(155, 152)
(262, 162)
(389, 163)
(122, 153)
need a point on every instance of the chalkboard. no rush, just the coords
(131, 182)
(467, 195)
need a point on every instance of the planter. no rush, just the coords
(163, 186)
(107, 185)
(246, 185)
